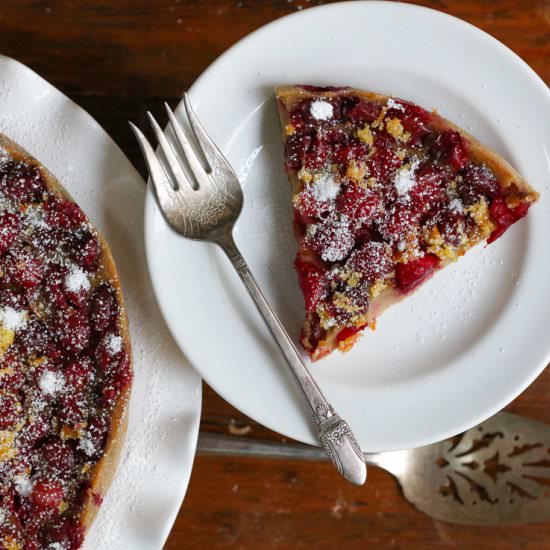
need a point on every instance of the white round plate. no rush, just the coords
(468, 341)
(151, 480)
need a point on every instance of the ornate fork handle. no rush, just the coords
(334, 433)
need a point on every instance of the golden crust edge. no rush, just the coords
(103, 471)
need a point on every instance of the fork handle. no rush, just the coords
(334, 433)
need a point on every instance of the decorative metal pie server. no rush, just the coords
(201, 198)
(496, 473)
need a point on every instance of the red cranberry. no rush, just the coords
(47, 494)
(23, 268)
(400, 220)
(35, 430)
(374, 260)
(59, 456)
(73, 330)
(448, 224)
(48, 239)
(9, 230)
(104, 308)
(316, 155)
(73, 407)
(31, 542)
(78, 374)
(97, 432)
(124, 374)
(503, 216)
(348, 332)
(451, 147)
(363, 111)
(67, 532)
(352, 149)
(297, 147)
(106, 354)
(332, 238)
(34, 339)
(315, 205)
(84, 248)
(429, 193)
(23, 183)
(15, 380)
(300, 113)
(116, 382)
(10, 412)
(383, 163)
(313, 282)
(415, 121)
(408, 276)
(477, 181)
(53, 288)
(358, 203)
(13, 297)
(63, 213)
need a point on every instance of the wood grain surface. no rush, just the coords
(118, 58)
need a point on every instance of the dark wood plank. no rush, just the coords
(118, 59)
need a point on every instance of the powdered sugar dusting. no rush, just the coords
(51, 382)
(13, 319)
(321, 110)
(77, 280)
(404, 179)
(114, 344)
(392, 104)
(86, 444)
(325, 188)
(23, 485)
(333, 238)
(457, 206)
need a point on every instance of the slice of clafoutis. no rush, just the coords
(384, 194)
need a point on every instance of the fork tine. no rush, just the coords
(163, 188)
(210, 149)
(170, 155)
(194, 162)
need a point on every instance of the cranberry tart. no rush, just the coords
(384, 194)
(65, 363)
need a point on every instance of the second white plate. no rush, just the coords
(150, 482)
(444, 359)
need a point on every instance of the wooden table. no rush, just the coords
(119, 58)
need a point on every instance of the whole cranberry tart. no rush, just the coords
(385, 194)
(65, 362)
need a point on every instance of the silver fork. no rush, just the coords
(206, 210)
